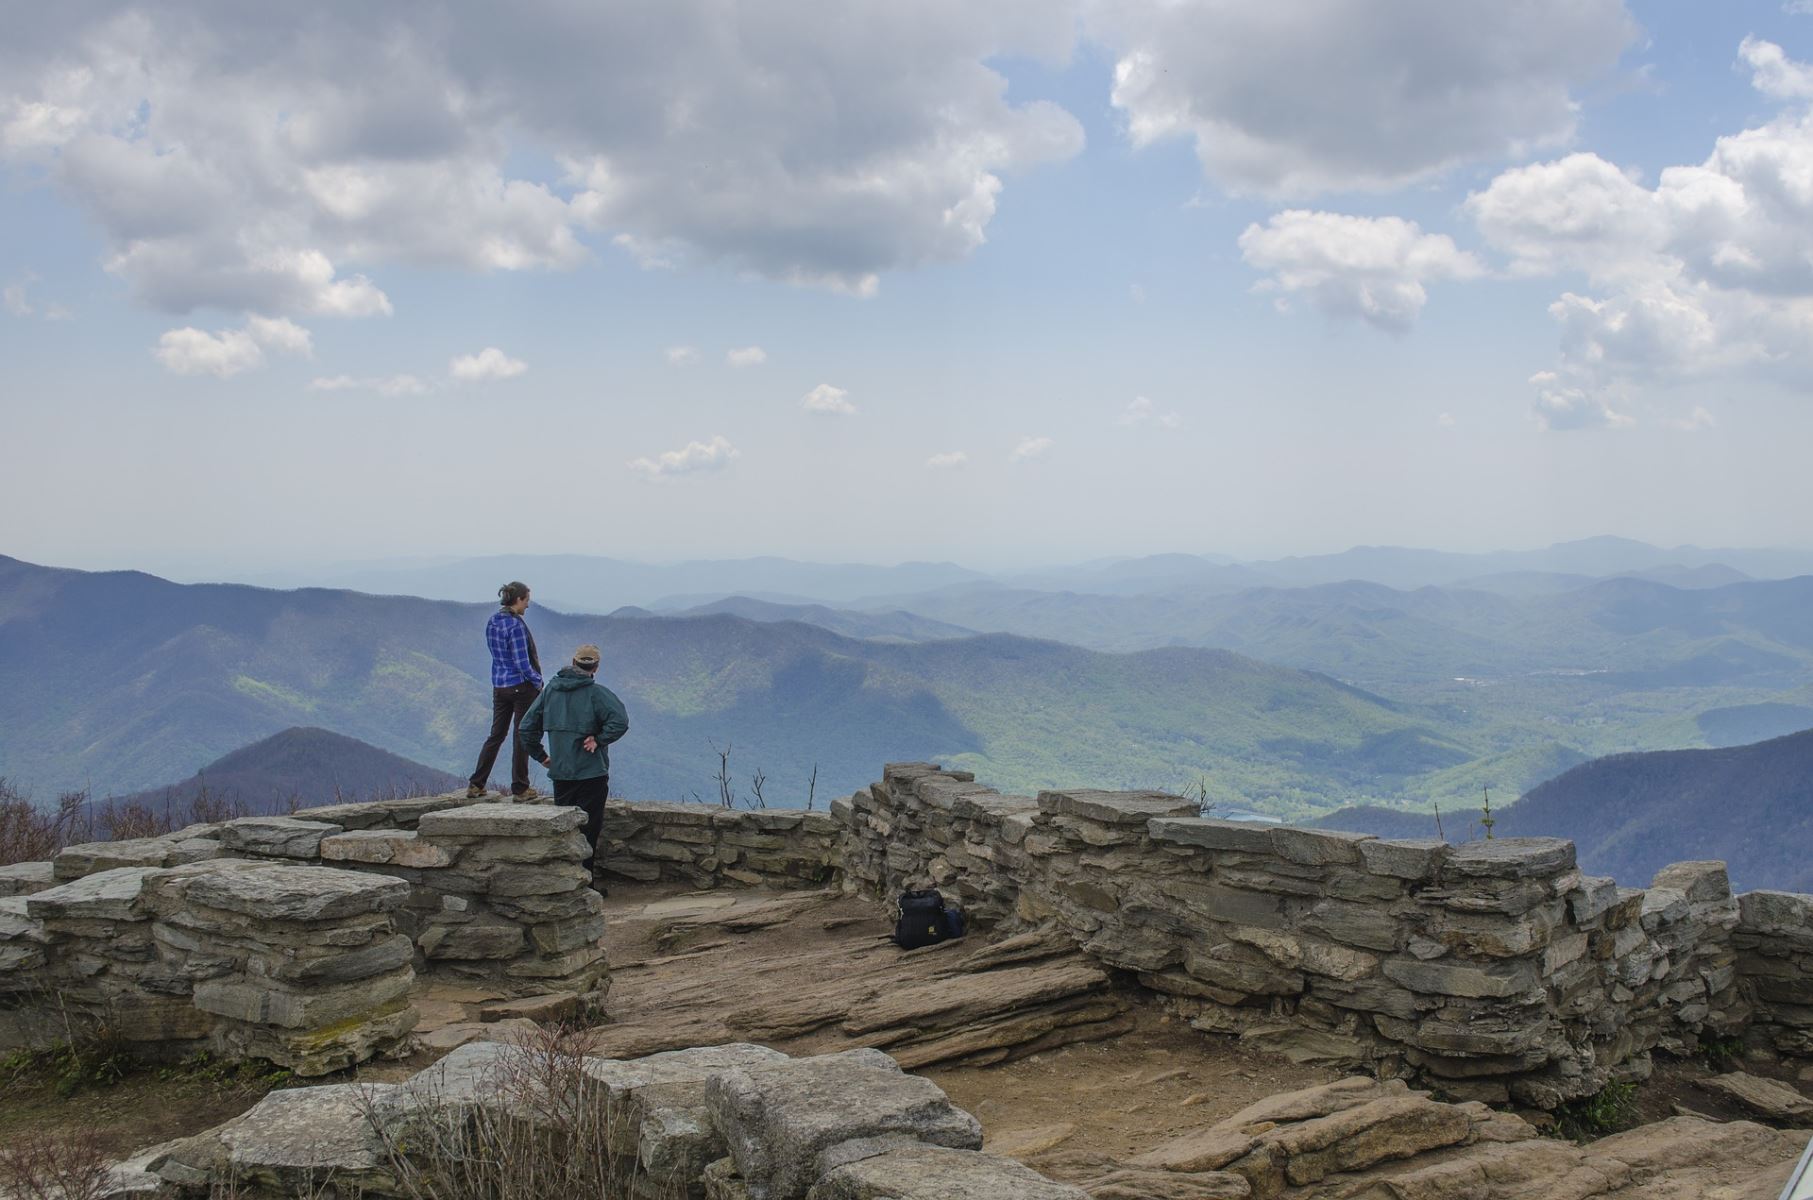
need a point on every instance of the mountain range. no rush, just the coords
(584, 583)
(122, 681)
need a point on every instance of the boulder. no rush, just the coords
(1765, 1097)
(921, 1172)
(1389, 1128)
(779, 1119)
(298, 1141)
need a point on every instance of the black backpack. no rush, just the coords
(925, 919)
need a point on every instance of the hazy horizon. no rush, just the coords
(251, 570)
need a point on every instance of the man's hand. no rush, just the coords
(590, 744)
(547, 762)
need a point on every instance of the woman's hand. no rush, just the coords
(590, 744)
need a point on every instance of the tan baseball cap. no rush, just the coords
(586, 656)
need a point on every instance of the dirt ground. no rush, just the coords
(708, 966)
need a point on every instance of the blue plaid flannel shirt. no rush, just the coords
(508, 641)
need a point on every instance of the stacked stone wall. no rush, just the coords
(299, 965)
(248, 937)
(1774, 944)
(1496, 969)
(496, 891)
(707, 847)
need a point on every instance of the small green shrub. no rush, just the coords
(1722, 1054)
(1610, 1109)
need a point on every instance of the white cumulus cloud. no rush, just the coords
(746, 356)
(949, 460)
(682, 356)
(693, 457)
(1141, 411)
(1370, 268)
(1296, 97)
(827, 399)
(272, 158)
(227, 352)
(488, 364)
(1708, 271)
(1030, 448)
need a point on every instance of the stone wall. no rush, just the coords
(1774, 943)
(299, 965)
(496, 893)
(248, 937)
(1496, 969)
(706, 847)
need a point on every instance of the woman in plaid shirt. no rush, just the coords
(515, 682)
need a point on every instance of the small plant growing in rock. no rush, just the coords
(1608, 1110)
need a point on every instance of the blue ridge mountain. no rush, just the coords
(303, 766)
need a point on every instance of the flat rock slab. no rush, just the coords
(1765, 1097)
(500, 820)
(276, 837)
(292, 893)
(1511, 858)
(88, 857)
(968, 998)
(106, 896)
(938, 1173)
(1117, 808)
(22, 879)
(384, 847)
(778, 1120)
(382, 814)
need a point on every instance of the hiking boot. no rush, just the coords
(528, 793)
(475, 792)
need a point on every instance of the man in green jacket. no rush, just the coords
(580, 717)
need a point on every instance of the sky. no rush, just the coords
(1003, 283)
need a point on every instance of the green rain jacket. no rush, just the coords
(571, 708)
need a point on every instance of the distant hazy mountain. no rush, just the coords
(1381, 636)
(124, 681)
(871, 626)
(581, 583)
(307, 766)
(1632, 814)
(1596, 558)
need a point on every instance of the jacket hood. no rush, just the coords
(571, 679)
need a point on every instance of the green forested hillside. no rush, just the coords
(121, 681)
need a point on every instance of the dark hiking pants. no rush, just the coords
(587, 795)
(507, 708)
